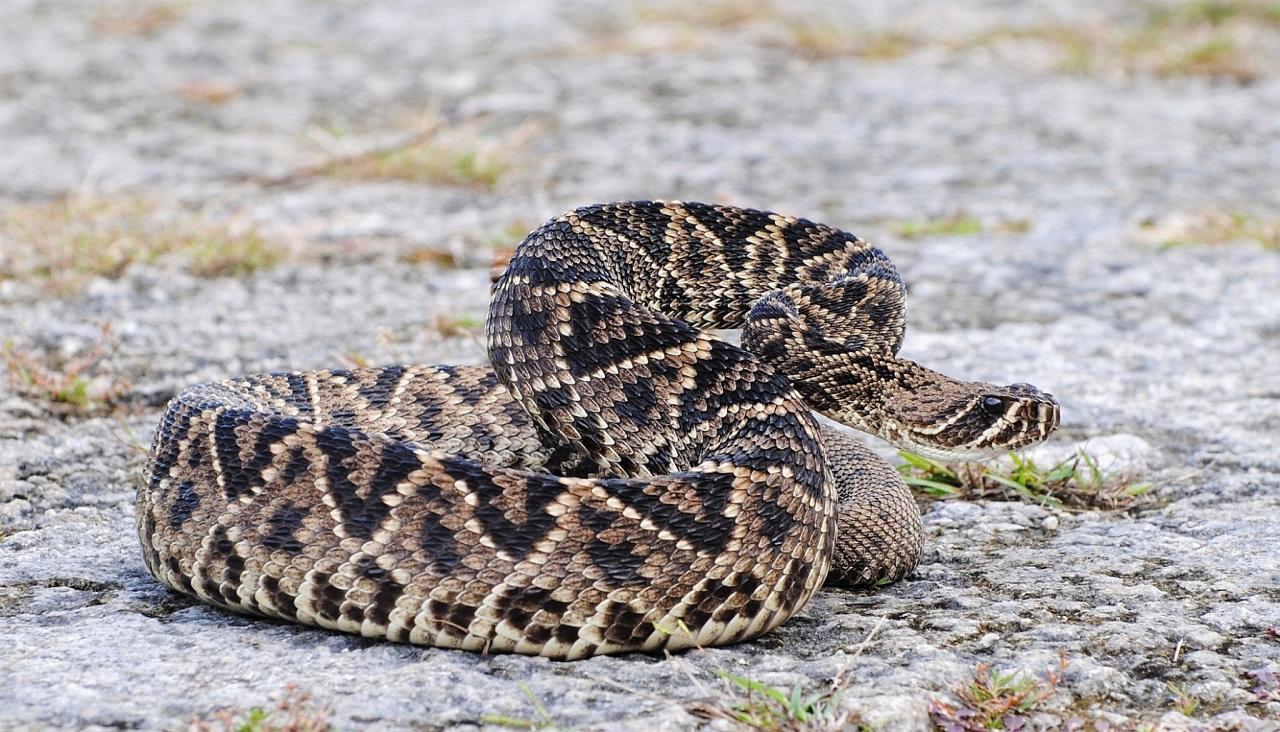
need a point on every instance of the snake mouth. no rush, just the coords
(949, 455)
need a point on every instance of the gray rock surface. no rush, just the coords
(1165, 359)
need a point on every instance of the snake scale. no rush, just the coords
(619, 479)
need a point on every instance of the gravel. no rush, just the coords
(1164, 358)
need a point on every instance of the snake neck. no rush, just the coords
(859, 381)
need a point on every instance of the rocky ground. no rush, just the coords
(1079, 197)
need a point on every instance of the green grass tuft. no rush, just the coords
(1210, 227)
(1226, 39)
(451, 155)
(65, 242)
(543, 720)
(817, 39)
(1182, 700)
(956, 225)
(1077, 482)
(293, 713)
(451, 325)
(143, 19)
(995, 700)
(760, 706)
(81, 385)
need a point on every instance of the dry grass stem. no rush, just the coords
(65, 242)
(1077, 482)
(1209, 227)
(209, 91)
(452, 325)
(822, 39)
(755, 705)
(293, 713)
(1228, 39)
(995, 700)
(457, 155)
(141, 19)
(83, 384)
(721, 14)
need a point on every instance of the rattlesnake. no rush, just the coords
(618, 480)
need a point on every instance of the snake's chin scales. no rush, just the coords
(618, 480)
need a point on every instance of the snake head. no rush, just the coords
(951, 420)
(856, 378)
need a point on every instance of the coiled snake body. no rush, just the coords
(618, 480)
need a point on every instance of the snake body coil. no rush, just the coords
(619, 480)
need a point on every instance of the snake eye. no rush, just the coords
(993, 405)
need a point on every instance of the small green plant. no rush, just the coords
(209, 254)
(1015, 226)
(1214, 12)
(819, 39)
(1227, 39)
(1209, 227)
(355, 360)
(954, 225)
(680, 627)
(543, 720)
(1217, 55)
(756, 705)
(456, 325)
(1182, 700)
(1077, 482)
(65, 242)
(442, 258)
(933, 478)
(457, 155)
(721, 14)
(80, 385)
(293, 713)
(502, 237)
(995, 700)
(763, 707)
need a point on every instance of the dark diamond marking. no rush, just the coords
(282, 527)
(439, 543)
(708, 529)
(185, 502)
(379, 392)
(240, 477)
(362, 511)
(515, 538)
(619, 562)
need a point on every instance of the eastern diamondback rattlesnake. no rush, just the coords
(619, 480)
